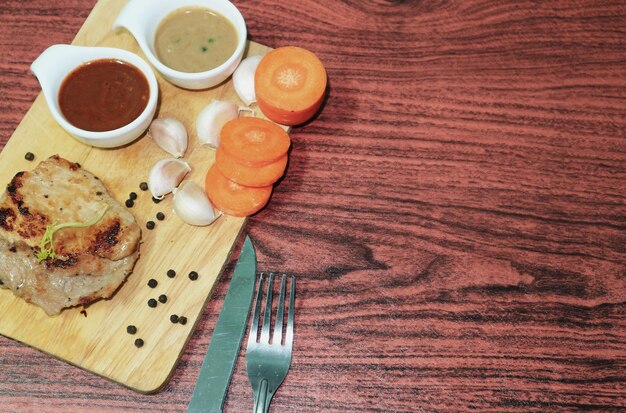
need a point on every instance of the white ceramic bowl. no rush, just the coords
(142, 17)
(58, 61)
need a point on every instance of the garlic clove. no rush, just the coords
(211, 119)
(243, 79)
(165, 175)
(170, 134)
(192, 205)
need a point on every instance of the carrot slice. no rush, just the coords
(248, 175)
(232, 198)
(290, 83)
(254, 141)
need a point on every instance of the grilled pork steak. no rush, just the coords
(90, 262)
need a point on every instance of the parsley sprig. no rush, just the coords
(46, 245)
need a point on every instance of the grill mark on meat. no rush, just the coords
(88, 299)
(7, 218)
(15, 184)
(23, 210)
(106, 239)
(69, 261)
(33, 226)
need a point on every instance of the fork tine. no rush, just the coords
(254, 329)
(265, 332)
(278, 328)
(289, 331)
(267, 364)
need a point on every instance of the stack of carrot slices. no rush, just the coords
(252, 156)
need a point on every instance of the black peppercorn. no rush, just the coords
(152, 303)
(129, 203)
(29, 156)
(150, 224)
(139, 343)
(160, 216)
(152, 283)
(193, 276)
(143, 186)
(156, 200)
(163, 298)
(174, 318)
(182, 320)
(131, 329)
(171, 273)
(132, 195)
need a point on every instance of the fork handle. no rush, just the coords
(261, 405)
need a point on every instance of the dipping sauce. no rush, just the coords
(195, 39)
(103, 95)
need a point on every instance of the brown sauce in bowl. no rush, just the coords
(195, 39)
(103, 95)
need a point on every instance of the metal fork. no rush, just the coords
(268, 363)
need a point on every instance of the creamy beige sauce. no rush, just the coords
(195, 39)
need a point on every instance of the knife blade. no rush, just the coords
(219, 361)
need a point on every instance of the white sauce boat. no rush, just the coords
(142, 17)
(58, 61)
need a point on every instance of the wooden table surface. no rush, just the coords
(456, 214)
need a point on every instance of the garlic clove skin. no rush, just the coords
(170, 134)
(243, 79)
(165, 176)
(192, 205)
(212, 118)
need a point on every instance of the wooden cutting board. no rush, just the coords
(97, 341)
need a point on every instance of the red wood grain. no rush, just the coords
(456, 213)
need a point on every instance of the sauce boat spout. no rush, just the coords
(53, 65)
(135, 17)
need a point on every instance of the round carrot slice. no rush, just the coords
(232, 198)
(290, 83)
(249, 175)
(254, 141)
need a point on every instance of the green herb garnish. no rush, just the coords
(46, 245)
